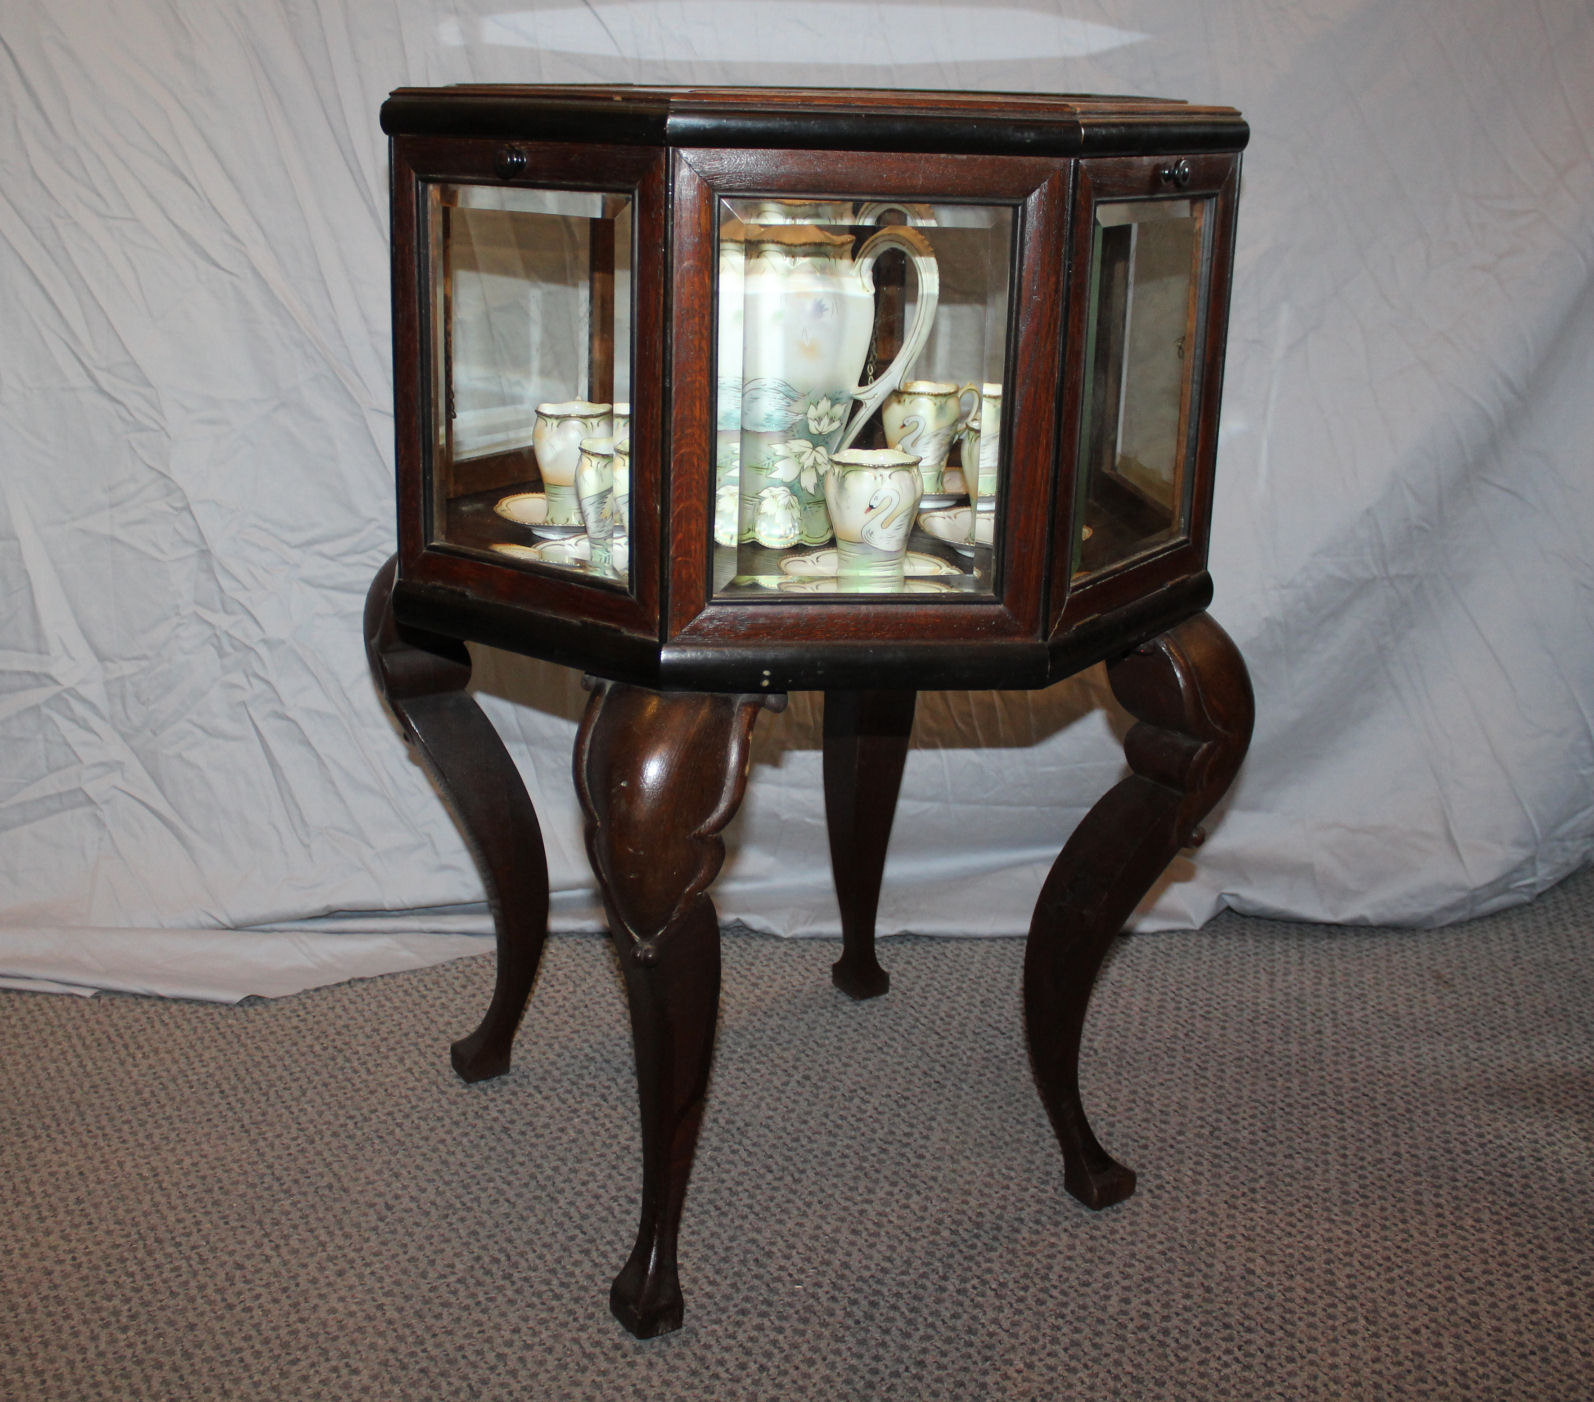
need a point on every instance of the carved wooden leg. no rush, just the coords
(866, 745)
(1190, 693)
(422, 678)
(659, 775)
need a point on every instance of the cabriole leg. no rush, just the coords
(866, 746)
(422, 678)
(1191, 696)
(659, 775)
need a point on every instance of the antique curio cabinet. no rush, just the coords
(719, 393)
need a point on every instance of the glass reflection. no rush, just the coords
(1144, 322)
(531, 348)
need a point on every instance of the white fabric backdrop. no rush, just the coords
(196, 430)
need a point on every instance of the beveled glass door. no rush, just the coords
(861, 356)
(531, 355)
(1145, 320)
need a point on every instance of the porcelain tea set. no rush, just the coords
(584, 510)
(796, 325)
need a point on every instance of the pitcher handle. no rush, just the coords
(967, 416)
(869, 397)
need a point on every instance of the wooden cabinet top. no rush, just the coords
(1033, 124)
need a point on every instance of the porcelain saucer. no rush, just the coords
(954, 524)
(829, 584)
(530, 509)
(821, 564)
(569, 553)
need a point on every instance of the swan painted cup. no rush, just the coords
(923, 417)
(595, 486)
(872, 495)
(595, 490)
(556, 435)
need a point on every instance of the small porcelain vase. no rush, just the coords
(922, 418)
(872, 496)
(557, 436)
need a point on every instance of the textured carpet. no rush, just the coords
(1366, 1167)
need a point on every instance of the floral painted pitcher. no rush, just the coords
(808, 321)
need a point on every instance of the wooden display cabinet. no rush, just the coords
(721, 393)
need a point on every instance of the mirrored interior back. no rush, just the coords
(861, 360)
(531, 353)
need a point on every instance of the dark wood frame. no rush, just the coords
(1037, 191)
(569, 605)
(1211, 177)
(667, 630)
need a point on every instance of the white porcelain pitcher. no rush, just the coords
(808, 321)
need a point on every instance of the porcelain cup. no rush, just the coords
(556, 435)
(595, 490)
(872, 496)
(622, 486)
(922, 418)
(986, 451)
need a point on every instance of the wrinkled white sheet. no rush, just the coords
(196, 456)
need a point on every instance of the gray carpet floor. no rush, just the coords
(1366, 1165)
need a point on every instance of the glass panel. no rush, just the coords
(531, 357)
(1135, 479)
(861, 351)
